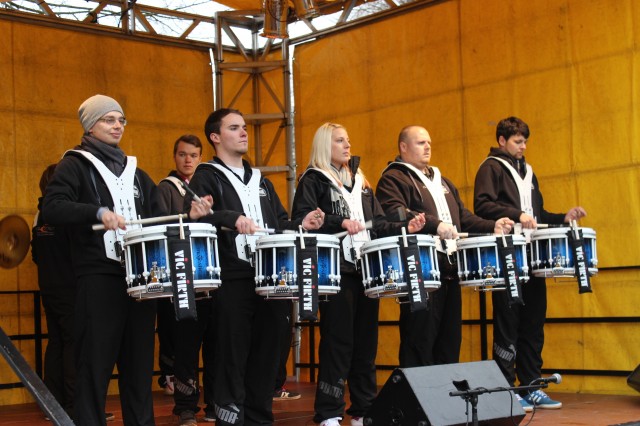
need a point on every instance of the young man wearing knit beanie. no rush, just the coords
(98, 182)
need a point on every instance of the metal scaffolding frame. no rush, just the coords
(138, 21)
(255, 61)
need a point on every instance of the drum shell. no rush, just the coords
(551, 255)
(478, 261)
(147, 245)
(383, 272)
(275, 252)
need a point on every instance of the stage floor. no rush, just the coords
(578, 410)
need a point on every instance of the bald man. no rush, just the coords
(410, 185)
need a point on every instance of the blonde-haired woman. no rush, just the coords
(334, 182)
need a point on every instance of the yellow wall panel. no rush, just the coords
(484, 42)
(8, 177)
(540, 44)
(484, 106)
(600, 27)
(6, 68)
(564, 72)
(47, 73)
(602, 113)
(613, 202)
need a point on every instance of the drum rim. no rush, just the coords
(394, 241)
(280, 238)
(466, 243)
(560, 232)
(147, 231)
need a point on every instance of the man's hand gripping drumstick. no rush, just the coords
(313, 220)
(199, 206)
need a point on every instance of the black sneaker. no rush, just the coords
(209, 414)
(283, 394)
(187, 418)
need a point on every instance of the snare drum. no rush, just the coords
(383, 272)
(276, 265)
(552, 256)
(479, 263)
(147, 259)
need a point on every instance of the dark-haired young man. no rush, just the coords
(247, 325)
(505, 185)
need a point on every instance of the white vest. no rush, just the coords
(524, 185)
(249, 195)
(354, 201)
(122, 193)
(435, 188)
(177, 183)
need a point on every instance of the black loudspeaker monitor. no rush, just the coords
(634, 379)
(419, 396)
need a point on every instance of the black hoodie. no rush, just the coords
(316, 190)
(227, 207)
(73, 197)
(496, 194)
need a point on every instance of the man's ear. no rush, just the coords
(502, 141)
(215, 138)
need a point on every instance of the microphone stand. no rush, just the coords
(471, 396)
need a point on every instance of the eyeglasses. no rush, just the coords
(110, 121)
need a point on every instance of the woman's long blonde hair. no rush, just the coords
(320, 157)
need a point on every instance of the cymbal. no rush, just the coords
(15, 238)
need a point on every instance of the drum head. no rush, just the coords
(288, 240)
(487, 241)
(201, 229)
(543, 234)
(380, 244)
(157, 232)
(473, 242)
(425, 240)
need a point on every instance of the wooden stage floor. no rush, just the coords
(578, 410)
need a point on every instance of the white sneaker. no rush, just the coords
(334, 421)
(169, 389)
(356, 421)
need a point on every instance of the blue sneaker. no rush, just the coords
(542, 400)
(525, 405)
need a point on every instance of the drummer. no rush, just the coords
(410, 186)
(247, 325)
(97, 182)
(506, 186)
(349, 327)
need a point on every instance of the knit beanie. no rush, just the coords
(94, 108)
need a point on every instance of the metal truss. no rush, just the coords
(255, 60)
(123, 17)
(135, 19)
(232, 31)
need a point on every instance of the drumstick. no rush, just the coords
(302, 244)
(267, 230)
(547, 225)
(181, 230)
(100, 226)
(193, 194)
(404, 237)
(473, 234)
(367, 225)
